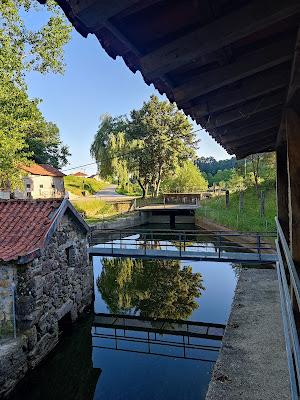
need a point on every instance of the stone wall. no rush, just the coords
(127, 221)
(56, 284)
(6, 302)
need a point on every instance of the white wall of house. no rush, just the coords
(40, 186)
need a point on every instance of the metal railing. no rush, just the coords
(189, 240)
(175, 338)
(289, 289)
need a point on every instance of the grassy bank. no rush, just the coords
(94, 210)
(77, 185)
(249, 219)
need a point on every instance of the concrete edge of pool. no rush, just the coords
(252, 363)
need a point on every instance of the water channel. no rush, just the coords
(96, 361)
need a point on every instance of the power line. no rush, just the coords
(93, 163)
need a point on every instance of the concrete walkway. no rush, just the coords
(252, 364)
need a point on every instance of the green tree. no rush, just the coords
(21, 50)
(165, 139)
(188, 178)
(151, 288)
(109, 146)
(46, 146)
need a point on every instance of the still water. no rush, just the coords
(104, 363)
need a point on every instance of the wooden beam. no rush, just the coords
(249, 139)
(250, 88)
(259, 146)
(293, 97)
(264, 149)
(93, 13)
(246, 110)
(293, 145)
(282, 188)
(249, 64)
(255, 16)
(248, 125)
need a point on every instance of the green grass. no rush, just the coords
(130, 190)
(248, 220)
(77, 185)
(94, 210)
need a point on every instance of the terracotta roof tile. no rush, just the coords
(42, 169)
(23, 225)
(79, 174)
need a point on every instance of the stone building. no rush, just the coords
(44, 259)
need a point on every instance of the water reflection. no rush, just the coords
(152, 358)
(149, 288)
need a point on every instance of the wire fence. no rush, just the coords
(7, 314)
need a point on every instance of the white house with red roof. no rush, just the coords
(40, 181)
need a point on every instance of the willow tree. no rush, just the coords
(109, 147)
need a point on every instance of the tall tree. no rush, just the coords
(165, 139)
(23, 49)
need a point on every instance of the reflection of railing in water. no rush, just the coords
(169, 335)
(186, 244)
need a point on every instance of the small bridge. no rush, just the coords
(194, 340)
(188, 245)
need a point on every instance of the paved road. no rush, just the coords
(110, 194)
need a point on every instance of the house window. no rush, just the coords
(70, 255)
(41, 186)
(28, 185)
(53, 186)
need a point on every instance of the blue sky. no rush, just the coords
(93, 84)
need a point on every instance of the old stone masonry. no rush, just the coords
(51, 290)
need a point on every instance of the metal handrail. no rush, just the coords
(186, 231)
(289, 285)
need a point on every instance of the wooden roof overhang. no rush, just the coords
(226, 63)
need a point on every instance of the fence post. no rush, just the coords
(262, 204)
(241, 201)
(227, 198)
(220, 241)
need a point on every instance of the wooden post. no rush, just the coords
(282, 187)
(262, 204)
(227, 198)
(293, 146)
(241, 201)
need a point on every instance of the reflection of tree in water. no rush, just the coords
(151, 288)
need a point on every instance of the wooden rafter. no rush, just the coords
(248, 109)
(249, 64)
(250, 88)
(257, 15)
